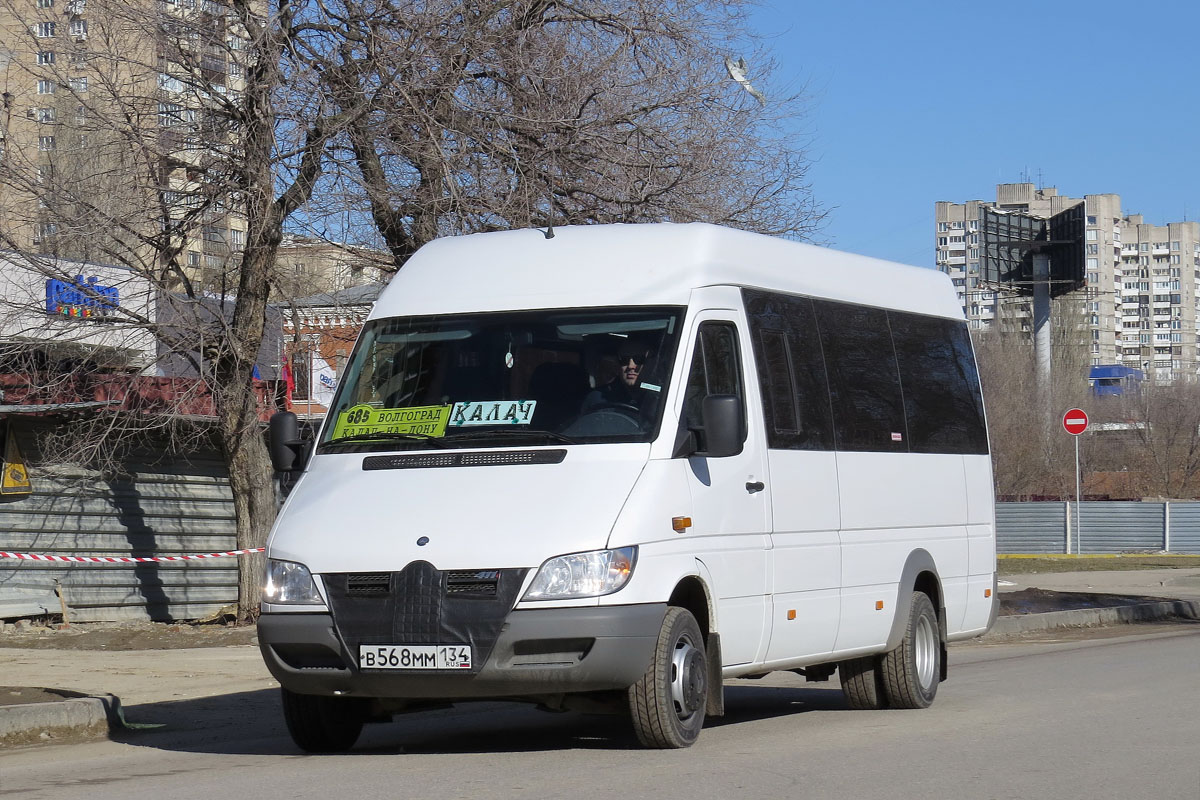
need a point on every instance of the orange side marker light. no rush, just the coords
(987, 592)
(791, 613)
(680, 524)
(879, 605)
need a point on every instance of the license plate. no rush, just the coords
(414, 656)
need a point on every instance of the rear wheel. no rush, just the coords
(668, 703)
(911, 672)
(322, 724)
(862, 683)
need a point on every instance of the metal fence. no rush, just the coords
(1098, 527)
(157, 507)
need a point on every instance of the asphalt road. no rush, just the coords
(1115, 717)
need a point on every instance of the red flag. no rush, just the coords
(289, 381)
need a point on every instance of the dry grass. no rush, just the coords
(1024, 565)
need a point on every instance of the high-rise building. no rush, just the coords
(1140, 304)
(116, 141)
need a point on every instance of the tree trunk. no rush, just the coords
(242, 435)
(253, 495)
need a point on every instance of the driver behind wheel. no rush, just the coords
(624, 386)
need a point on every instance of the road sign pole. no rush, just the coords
(1075, 422)
(1078, 531)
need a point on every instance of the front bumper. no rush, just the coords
(538, 652)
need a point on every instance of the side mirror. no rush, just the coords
(724, 425)
(284, 442)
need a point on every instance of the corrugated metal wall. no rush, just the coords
(160, 507)
(1185, 527)
(1108, 527)
(1031, 527)
(1118, 527)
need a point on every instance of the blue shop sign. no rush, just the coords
(81, 299)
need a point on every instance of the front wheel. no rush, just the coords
(322, 724)
(668, 702)
(911, 672)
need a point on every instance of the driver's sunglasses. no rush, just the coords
(636, 358)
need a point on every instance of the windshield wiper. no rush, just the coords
(511, 433)
(387, 436)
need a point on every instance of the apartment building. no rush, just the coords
(1139, 306)
(307, 265)
(116, 133)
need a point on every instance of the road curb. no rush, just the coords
(1092, 617)
(74, 718)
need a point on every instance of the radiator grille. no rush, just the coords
(480, 582)
(469, 459)
(368, 584)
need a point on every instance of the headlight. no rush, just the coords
(583, 574)
(289, 582)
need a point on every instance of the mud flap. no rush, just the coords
(715, 707)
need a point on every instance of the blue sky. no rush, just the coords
(914, 102)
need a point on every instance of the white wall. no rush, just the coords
(24, 317)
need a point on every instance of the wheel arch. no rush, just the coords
(692, 593)
(920, 574)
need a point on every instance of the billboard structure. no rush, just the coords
(1009, 240)
(1065, 231)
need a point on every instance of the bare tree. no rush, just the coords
(1162, 445)
(1032, 456)
(535, 113)
(184, 136)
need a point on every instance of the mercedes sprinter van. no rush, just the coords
(609, 468)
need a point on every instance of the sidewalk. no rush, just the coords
(1175, 593)
(140, 677)
(1176, 584)
(116, 681)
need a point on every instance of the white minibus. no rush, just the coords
(607, 467)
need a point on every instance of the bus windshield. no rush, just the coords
(505, 378)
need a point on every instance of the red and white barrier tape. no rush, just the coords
(124, 559)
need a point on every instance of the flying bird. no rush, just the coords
(737, 71)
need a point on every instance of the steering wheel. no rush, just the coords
(606, 419)
(622, 408)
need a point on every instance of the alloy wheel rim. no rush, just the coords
(925, 652)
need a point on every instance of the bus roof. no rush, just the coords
(645, 264)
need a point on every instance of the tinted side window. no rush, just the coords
(864, 384)
(942, 401)
(716, 369)
(791, 371)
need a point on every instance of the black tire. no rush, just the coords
(862, 683)
(912, 671)
(668, 702)
(322, 724)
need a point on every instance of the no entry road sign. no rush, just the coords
(1075, 421)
